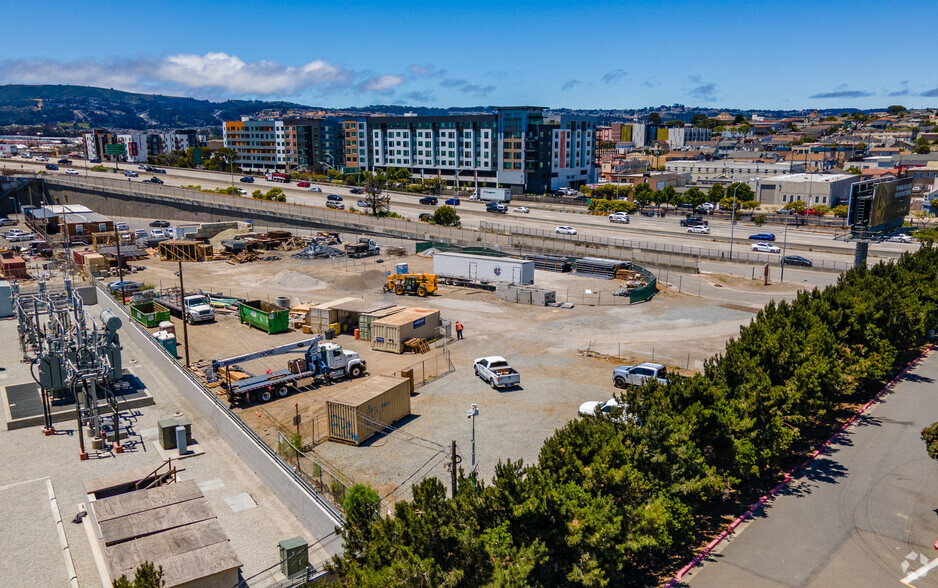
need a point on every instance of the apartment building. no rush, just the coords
(95, 142)
(725, 171)
(259, 145)
(356, 144)
(813, 189)
(135, 147)
(572, 160)
(314, 144)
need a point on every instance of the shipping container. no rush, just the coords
(480, 268)
(365, 320)
(325, 314)
(149, 313)
(360, 412)
(264, 315)
(14, 267)
(390, 333)
(494, 194)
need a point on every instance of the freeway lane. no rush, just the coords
(651, 232)
(863, 514)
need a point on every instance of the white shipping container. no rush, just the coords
(495, 194)
(483, 269)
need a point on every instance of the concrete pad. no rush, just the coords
(215, 484)
(240, 502)
(29, 542)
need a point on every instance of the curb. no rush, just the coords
(788, 477)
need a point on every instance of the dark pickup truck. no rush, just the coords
(693, 221)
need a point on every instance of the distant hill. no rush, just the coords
(73, 108)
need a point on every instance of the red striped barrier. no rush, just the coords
(787, 478)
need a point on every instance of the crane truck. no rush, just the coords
(322, 362)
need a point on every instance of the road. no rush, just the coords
(865, 513)
(819, 246)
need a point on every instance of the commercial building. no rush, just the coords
(813, 189)
(259, 144)
(728, 171)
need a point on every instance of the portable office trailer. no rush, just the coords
(360, 412)
(350, 313)
(482, 268)
(325, 314)
(365, 320)
(389, 333)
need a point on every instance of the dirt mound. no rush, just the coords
(369, 280)
(293, 281)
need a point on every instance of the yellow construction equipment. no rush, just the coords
(419, 284)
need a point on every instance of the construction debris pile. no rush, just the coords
(318, 251)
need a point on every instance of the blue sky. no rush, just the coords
(576, 54)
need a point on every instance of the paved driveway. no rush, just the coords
(864, 514)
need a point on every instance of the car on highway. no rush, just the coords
(619, 217)
(144, 167)
(522, 209)
(452, 202)
(364, 204)
(357, 191)
(424, 217)
(334, 198)
(565, 231)
(315, 189)
(42, 159)
(7, 222)
(131, 173)
(159, 223)
(763, 236)
(765, 248)
(706, 208)
(242, 191)
(247, 180)
(157, 233)
(51, 167)
(122, 226)
(699, 229)
(901, 238)
(335, 205)
(156, 170)
(155, 180)
(94, 160)
(797, 260)
(302, 184)
(432, 200)
(65, 161)
(71, 172)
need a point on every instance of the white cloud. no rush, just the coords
(382, 83)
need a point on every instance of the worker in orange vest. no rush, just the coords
(458, 330)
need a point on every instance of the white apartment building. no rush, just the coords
(729, 171)
(260, 144)
(572, 161)
(135, 147)
(813, 189)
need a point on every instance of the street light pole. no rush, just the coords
(733, 221)
(784, 246)
(472, 413)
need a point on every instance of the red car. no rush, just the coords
(302, 184)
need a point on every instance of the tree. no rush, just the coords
(695, 196)
(796, 207)
(840, 211)
(853, 170)
(821, 209)
(715, 193)
(750, 205)
(361, 506)
(675, 123)
(742, 191)
(699, 120)
(145, 576)
(446, 216)
(643, 195)
(222, 160)
(740, 118)
(654, 119)
(930, 437)
(378, 202)
(896, 109)
(923, 150)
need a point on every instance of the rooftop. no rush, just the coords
(815, 178)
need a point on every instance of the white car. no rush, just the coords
(71, 172)
(157, 233)
(122, 226)
(901, 238)
(242, 191)
(21, 237)
(701, 229)
(619, 217)
(315, 189)
(589, 408)
(12, 232)
(765, 248)
(565, 231)
(522, 209)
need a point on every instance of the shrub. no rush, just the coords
(759, 219)
(930, 437)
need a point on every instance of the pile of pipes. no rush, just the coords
(551, 263)
(600, 268)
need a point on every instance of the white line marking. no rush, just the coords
(921, 572)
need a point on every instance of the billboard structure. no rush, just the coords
(878, 206)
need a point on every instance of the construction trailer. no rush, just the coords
(391, 332)
(358, 413)
(323, 316)
(349, 314)
(463, 267)
(365, 320)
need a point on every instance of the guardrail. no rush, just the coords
(313, 511)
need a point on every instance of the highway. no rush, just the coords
(648, 233)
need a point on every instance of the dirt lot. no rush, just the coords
(547, 345)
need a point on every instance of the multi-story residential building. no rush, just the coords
(726, 171)
(135, 147)
(356, 144)
(572, 162)
(259, 144)
(314, 144)
(813, 189)
(95, 142)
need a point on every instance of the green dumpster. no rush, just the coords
(149, 313)
(267, 317)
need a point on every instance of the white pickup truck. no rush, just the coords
(636, 375)
(496, 371)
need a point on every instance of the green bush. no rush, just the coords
(609, 206)
(759, 219)
(930, 437)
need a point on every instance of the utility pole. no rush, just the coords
(472, 413)
(120, 264)
(182, 305)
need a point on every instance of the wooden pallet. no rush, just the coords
(417, 345)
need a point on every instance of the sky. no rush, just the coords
(730, 54)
